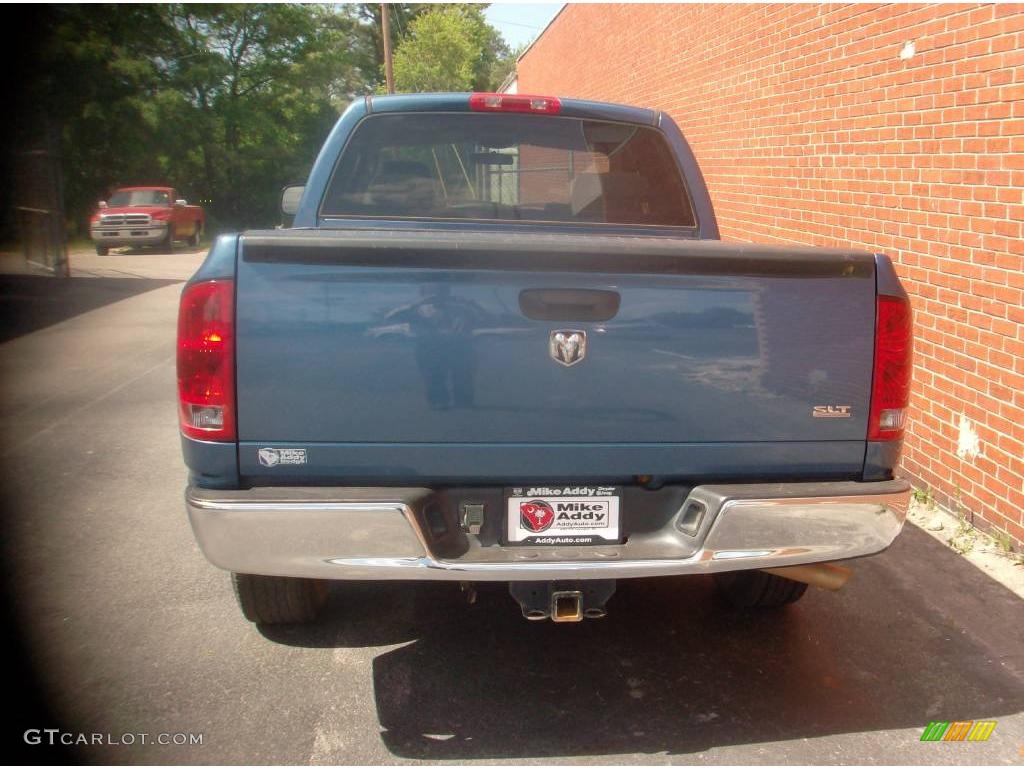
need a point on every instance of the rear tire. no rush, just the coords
(102, 250)
(278, 599)
(757, 589)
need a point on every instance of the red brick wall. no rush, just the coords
(811, 129)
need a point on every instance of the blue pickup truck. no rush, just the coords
(502, 342)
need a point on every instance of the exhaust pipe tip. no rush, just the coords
(821, 575)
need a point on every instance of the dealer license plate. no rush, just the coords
(559, 515)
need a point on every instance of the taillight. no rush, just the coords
(514, 102)
(890, 388)
(206, 361)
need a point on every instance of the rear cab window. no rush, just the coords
(508, 167)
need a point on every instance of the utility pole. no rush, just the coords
(386, 35)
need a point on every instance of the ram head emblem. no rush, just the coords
(568, 347)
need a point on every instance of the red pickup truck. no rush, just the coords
(145, 216)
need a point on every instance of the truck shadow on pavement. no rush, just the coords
(30, 302)
(919, 635)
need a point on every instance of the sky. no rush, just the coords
(520, 23)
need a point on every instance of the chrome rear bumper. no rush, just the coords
(381, 534)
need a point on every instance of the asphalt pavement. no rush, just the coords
(124, 629)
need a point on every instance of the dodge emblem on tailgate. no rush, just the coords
(568, 347)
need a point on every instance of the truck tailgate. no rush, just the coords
(425, 352)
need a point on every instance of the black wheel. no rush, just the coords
(196, 236)
(278, 599)
(757, 589)
(102, 250)
(167, 244)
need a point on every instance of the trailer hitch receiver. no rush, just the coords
(563, 601)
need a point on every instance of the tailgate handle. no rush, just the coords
(569, 304)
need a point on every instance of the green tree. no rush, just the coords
(257, 88)
(90, 75)
(450, 48)
(224, 102)
(369, 44)
(440, 54)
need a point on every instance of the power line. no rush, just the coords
(513, 23)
